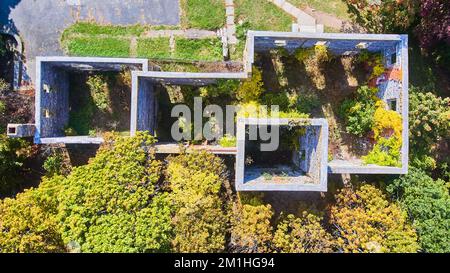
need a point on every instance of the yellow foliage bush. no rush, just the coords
(302, 235)
(252, 230)
(251, 89)
(200, 221)
(387, 120)
(365, 221)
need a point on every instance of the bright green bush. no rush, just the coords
(428, 204)
(112, 204)
(228, 141)
(28, 223)
(53, 165)
(99, 91)
(359, 112)
(386, 152)
(429, 121)
(222, 88)
(251, 89)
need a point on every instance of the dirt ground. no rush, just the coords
(342, 77)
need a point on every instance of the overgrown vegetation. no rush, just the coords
(200, 215)
(359, 112)
(427, 202)
(105, 96)
(365, 221)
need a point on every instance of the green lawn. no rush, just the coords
(88, 39)
(98, 46)
(203, 14)
(204, 49)
(263, 15)
(334, 7)
(110, 30)
(153, 48)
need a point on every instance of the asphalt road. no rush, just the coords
(41, 22)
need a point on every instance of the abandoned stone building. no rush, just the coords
(310, 159)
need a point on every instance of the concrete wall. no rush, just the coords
(52, 92)
(309, 157)
(54, 101)
(315, 164)
(147, 108)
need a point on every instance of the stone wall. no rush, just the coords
(147, 108)
(309, 154)
(54, 108)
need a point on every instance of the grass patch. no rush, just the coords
(334, 7)
(98, 46)
(92, 40)
(110, 30)
(153, 48)
(204, 49)
(263, 15)
(203, 14)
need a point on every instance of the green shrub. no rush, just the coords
(53, 165)
(374, 61)
(251, 89)
(80, 121)
(28, 221)
(221, 88)
(227, 141)
(251, 230)
(429, 121)
(428, 204)
(359, 112)
(113, 204)
(364, 220)
(99, 91)
(13, 153)
(386, 152)
(280, 99)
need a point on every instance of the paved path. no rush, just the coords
(41, 22)
(333, 21)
